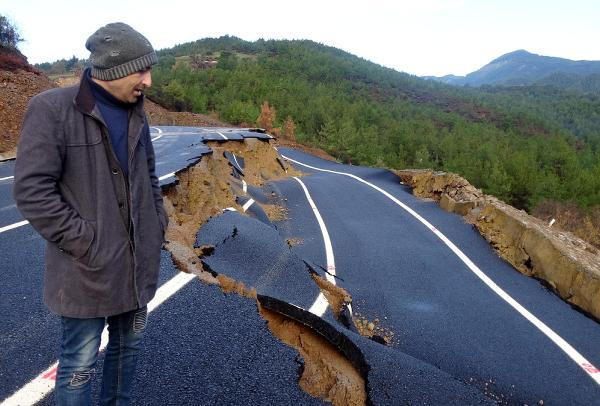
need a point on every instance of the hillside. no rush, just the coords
(509, 144)
(364, 113)
(19, 81)
(562, 94)
(524, 68)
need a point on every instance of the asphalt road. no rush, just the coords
(440, 311)
(455, 340)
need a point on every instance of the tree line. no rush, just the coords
(366, 114)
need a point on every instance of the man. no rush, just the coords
(85, 180)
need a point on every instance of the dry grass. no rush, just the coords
(570, 217)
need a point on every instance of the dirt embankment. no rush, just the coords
(158, 115)
(16, 88)
(569, 265)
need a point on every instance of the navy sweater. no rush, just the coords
(116, 116)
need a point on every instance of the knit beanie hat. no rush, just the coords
(117, 50)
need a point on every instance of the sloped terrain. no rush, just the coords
(16, 88)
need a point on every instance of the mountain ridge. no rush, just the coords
(522, 67)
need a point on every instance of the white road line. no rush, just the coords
(155, 138)
(237, 163)
(224, 137)
(579, 359)
(168, 175)
(12, 226)
(244, 186)
(25, 222)
(158, 129)
(247, 205)
(6, 178)
(320, 305)
(44, 383)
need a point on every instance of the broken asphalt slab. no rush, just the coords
(253, 253)
(218, 351)
(178, 148)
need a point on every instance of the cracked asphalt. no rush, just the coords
(455, 341)
(441, 313)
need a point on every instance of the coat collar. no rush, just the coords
(86, 102)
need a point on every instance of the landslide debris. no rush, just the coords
(340, 302)
(373, 330)
(569, 265)
(337, 297)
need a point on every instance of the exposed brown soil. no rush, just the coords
(336, 297)
(16, 88)
(11, 59)
(260, 160)
(275, 212)
(369, 329)
(292, 242)
(327, 373)
(229, 285)
(158, 115)
(204, 189)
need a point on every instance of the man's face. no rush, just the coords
(129, 88)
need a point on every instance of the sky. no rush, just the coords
(424, 37)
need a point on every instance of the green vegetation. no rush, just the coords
(524, 144)
(566, 111)
(61, 66)
(503, 141)
(9, 34)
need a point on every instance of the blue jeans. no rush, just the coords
(80, 344)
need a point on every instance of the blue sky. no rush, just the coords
(426, 37)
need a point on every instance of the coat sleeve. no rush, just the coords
(38, 168)
(158, 200)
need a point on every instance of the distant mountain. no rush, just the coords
(524, 68)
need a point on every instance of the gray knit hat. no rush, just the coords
(117, 50)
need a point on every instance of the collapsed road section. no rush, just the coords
(222, 214)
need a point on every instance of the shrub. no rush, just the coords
(9, 35)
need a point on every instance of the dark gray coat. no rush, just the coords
(104, 232)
